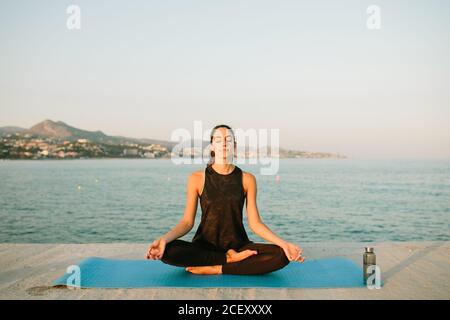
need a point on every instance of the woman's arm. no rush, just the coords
(187, 221)
(254, 220)
(292, 251)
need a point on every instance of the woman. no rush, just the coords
(221, 244)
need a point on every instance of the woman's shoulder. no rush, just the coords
(195, 180)
(248, 176)
(248, 181)
(196, 174)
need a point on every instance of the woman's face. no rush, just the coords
(223, 145)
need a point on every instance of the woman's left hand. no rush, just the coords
(293, 252)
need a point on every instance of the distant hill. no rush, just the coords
(10, 130)
(62, 131)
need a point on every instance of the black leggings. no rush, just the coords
(270, 257)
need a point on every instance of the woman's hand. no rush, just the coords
(156, 249)
(293, 252)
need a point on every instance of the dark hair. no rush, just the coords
(212, 153)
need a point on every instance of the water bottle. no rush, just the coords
(369, 259)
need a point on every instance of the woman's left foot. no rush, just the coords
(205, 269)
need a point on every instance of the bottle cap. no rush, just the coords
(369, 249)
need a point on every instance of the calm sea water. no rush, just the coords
(83, 201)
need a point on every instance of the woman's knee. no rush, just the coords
(277, 255)
(281, 257)
(166, 255)
(278, 258)
(170, 252)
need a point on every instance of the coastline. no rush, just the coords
(410, 270)
(165, 158)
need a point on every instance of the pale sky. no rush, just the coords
(311, 69)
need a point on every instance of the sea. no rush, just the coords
(307, 200)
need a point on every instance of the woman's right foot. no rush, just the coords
(234, 256)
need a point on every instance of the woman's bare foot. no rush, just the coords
(234, 256)
(205, 269)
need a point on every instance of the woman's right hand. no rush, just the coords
(156, 249)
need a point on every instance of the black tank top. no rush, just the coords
(222, 200)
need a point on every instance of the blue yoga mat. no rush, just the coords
(95, 272)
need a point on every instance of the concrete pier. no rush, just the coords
(410, 270)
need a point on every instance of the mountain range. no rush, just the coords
(60, 130)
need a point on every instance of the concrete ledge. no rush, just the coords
(410, 270)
